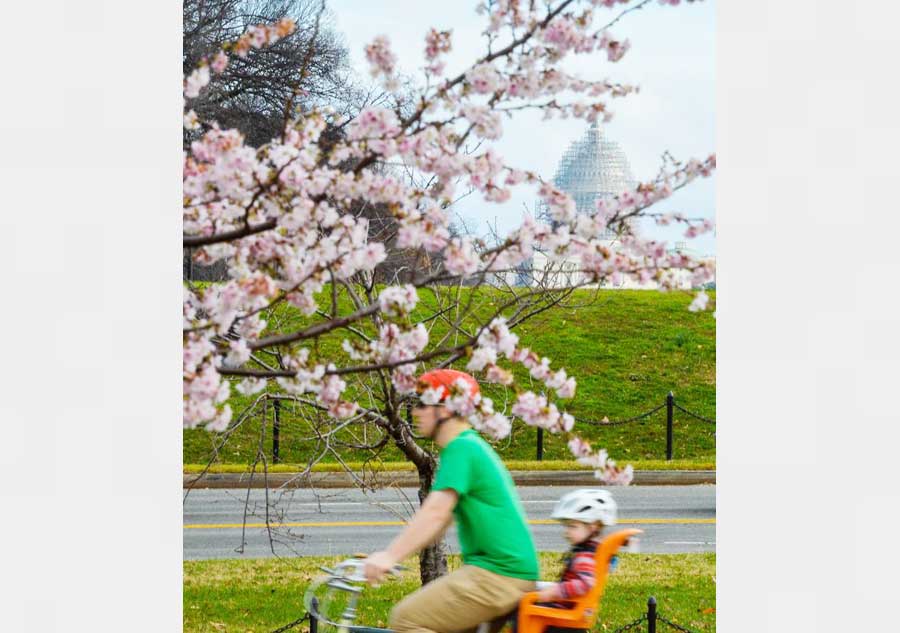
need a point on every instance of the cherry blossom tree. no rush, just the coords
(285, 217)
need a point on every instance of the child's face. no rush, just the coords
(578, 532)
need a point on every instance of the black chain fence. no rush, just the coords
(631, 625)
(296, 622)
(693, 415)
(669, 405)
(297, 430)
(652, 618)
(677, 627)
(605, 422)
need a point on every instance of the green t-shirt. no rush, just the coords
(490, 520)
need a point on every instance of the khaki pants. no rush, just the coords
(459, 601)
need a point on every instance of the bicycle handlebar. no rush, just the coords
(353, 570)
(349, 576)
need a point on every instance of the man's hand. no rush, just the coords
(377, 565)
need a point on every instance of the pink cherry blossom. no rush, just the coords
(498, 375)
(498, 336)
(219, 62)
(595, 460)
(343, 409)
(432, 395)
(564, 33)
(191, 122)
(482, 357)
(495, 425)
(261, 35)
(220, 421)
(195, 82)
(530, 407)
(332, 388)
(461, 257)
(615, 49)
(436, 43)
(239, 353)
(195, 351)
(515, 177)
(373, 123)
(381, 60)
(461, 400)
(561, 204)
(699, 302)
(404, 380)
(398, 301)
(250, 386)
(579, 447)
(612, 475)
(436, 232)
(484, 168)
(567, 389)
(485, 79)
(485, 121)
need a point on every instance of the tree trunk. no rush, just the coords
(432, 559)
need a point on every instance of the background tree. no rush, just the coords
(253, 92)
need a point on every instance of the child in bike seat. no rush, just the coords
(583, 514)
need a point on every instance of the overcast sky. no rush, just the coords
(672, 59)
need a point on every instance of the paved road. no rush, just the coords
(347, 521)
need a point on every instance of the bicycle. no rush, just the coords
(348, 577)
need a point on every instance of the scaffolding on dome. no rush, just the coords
(591, 168)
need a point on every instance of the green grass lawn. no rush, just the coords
(259, 595)
(627, 349)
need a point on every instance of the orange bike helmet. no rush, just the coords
(443, 379)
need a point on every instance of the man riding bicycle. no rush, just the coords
(499, 560)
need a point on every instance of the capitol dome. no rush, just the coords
(592, 167)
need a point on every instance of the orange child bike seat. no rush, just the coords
(534, 618)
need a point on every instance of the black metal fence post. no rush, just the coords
(651, 615)
(276, 432)
(313, 621)
(540, 444)
(670, 402)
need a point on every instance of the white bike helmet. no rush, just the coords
(586, 505)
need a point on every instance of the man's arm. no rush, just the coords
(426, 525)
(443, 533)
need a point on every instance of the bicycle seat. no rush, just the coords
(533, 618)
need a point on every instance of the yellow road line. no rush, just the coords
(225, 526)
(638, 521)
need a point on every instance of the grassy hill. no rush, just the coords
(627, 349)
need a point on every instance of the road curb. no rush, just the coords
(410, 479)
